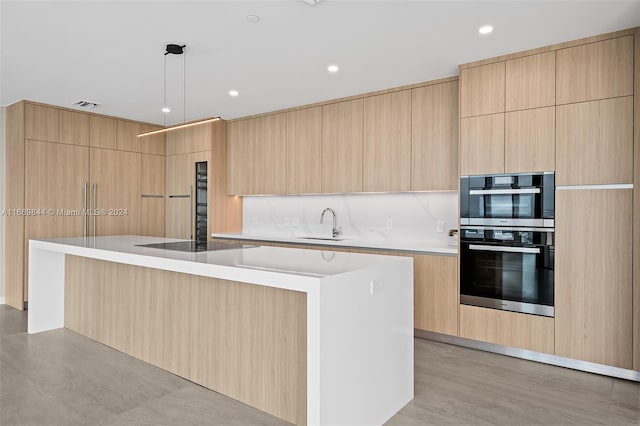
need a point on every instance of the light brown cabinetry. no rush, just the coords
(529, 141)
(435, 286)
(593, 71)
(179, 206)
(593, 287)
(482, 89)
(595, 142)
(270, 154)
(127, 136)
(530, 82)
(41, 123)
(241, 157)
(342, 144)
(74, 128)
(387, 142)
(482, 144)
(152, 195)
(434, 137)
(530, 332)
(102, 132)
(153, 144)
(304, 150)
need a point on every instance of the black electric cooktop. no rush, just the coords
(195, 246)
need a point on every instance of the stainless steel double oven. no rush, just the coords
(507, 242)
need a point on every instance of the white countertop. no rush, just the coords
(394, 245)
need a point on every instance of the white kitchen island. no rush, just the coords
(317, 337)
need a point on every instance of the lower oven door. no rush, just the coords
(502, 276)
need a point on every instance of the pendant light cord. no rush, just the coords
(184, 87)
(164, 104)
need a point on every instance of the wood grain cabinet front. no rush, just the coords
(41, 123)
(304, 151)
(482, 144)
(482, 89)
(530, 140)
(530, 82)
(74, 127)
(436, 293)
(241, 157)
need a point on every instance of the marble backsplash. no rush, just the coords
(415, 216)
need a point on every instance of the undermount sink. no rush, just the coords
(323, 238)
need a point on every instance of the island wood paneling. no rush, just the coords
(41, 122)
(304, 151)
(245, 341)
(74, 127)
(530, 82)
(594, 142)
(102, 132)
(593, 287)
(636, 208)
(14, 199)
(595, 71)
(482, 89)
(387, 142)
(531, 332)
(435, 293)
(482, 145)
(530, 140)
(342, 142)
(434, 137)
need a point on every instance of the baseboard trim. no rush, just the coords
(574, 364)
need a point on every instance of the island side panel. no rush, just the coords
(242, 340)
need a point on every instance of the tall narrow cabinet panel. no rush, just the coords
(102, 132)
(436, 293)
(387, 142)
(74, 127)
(342, 146)
(434, 137)
(595, 142)
(530, 140)
(41, 123)
(152, 201)
(593, 284)
(116, 176)
(530, 82)
(241, 157)
(153, 144)
(595, 71)
(225, 211)
(482, 89)
(636, 208)
(127, 136)
(482, 145)
(304, 150)
(270, 154)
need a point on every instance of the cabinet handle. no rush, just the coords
(154, 196)
(85, 206)
(504, 249)
(191, 211)
(95, 207)
(504, 191)
(180, 196)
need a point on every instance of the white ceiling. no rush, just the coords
(112, 51)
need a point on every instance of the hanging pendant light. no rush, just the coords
(176, 49)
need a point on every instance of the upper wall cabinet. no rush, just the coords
(434, 137)
(127, 136)
(102, 132)
(342, 143)
(241, 157)
(482, 144)
(595, 71)
(41, 123)
(387, 142)
(270, 153)
(304, 150)
(482, 89)
(530, 81)
(74, 127)
(530, 140)
(153, 144)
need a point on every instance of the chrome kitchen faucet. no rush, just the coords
(336, 230)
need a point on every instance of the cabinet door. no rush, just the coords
(530, 142)
(102, 132)
(482, 89)
(74, 128)
(434, 137)
(116, 175)
(482, 145)
(41, 123)
(304, 150)
(152, 202)
(270, 154)
(531, 332)
(530, 82)
(595, 142)
(342, 146)
(593, 285)
(387, 142)
(127, 136)
(595, 71)
(241, 157)
(436, 293)
(154, 144)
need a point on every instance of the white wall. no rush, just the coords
(2, 190)
(414, 216)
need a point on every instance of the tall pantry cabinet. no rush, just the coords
(60, 165)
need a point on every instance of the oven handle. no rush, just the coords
(504, 191)
(533, 250)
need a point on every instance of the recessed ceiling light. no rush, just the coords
(253, 19)
(166, 110)
(485, 29)
(333, 69)
(233, 93)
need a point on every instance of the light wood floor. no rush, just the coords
(62, 378)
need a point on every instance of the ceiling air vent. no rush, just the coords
(85, 104)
